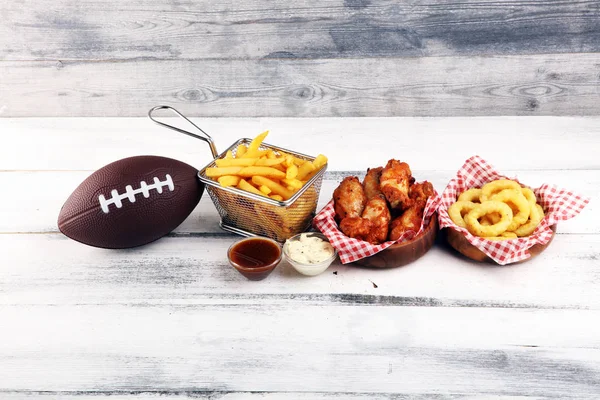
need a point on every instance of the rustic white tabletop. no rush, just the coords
(174, 319)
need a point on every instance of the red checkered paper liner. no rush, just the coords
(558, 204)
(351, 249)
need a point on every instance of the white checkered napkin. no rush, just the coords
(351, 249)
(559, 205)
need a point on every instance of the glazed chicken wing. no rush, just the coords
(371, 182)
(356, 227)
(394, 182)
(420, 192)
(412, 217)
(349, 198)
(378, 213)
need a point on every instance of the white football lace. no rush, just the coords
(130, 193)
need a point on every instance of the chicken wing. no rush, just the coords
(378, 213)
(394, 182)
(420, 192)
(412, 217)
(371, 182)
(410, 220)
(349, 198)
(356, 227)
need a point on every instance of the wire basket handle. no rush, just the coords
(205, 138)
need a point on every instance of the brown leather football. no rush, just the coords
(131, 202)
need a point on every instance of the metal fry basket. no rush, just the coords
(249, 214)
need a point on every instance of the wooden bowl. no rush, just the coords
(401, 254)
(460, 243)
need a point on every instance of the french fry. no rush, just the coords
(275, 187)
(295, 183)
(229, 180)
(215, 172)
(291, 172)
(289, 161)
(248, 172)
(240, 150)
(276, 197)
(268, 162)
(244, 185)
(305, 169)
(319, 161)
(299, 161)
(236, 162)
(229, 154)
(271, 154)
(255, 144)
(264, 189)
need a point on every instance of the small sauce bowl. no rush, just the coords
(255, 257)
(304, 268)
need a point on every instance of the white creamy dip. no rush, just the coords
(309, 250)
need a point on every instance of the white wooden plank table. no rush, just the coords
(173, 319)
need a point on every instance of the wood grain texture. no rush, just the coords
(352, 144)
(432, 86)
(396, 349)
(111, 30)
(187, 271)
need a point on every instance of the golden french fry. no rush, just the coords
(305, 169)
(268, 162)
(255, 144)
(291, 188)
(299, 161)
(319, 161)
(295, 183)
(229, 180)
(291, 172)
(289, 161)
(215, 172)
(244, 185)
(236, 162)
(240, 150)
(248, 172)
(271, 154)
(229, 154)
(275, 187)
(276, 197)
(264, 189)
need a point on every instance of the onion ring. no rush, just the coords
(536, 216)
(491, 188)
(518, 204)
(457, 211)
(472, 195)
(488, 207)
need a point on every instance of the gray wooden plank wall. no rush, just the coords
(307, 58)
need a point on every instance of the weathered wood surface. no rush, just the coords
(191, 271)
(173, 320)
(116, 30)
(408, 350)
(440, 86)
(353, 144)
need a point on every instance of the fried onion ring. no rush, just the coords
(518, 204)
(536, 216)
(491, 188)
(472, 195)
(472, 218)
(529, 195)
(458, 210)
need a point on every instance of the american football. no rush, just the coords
(131, 202)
